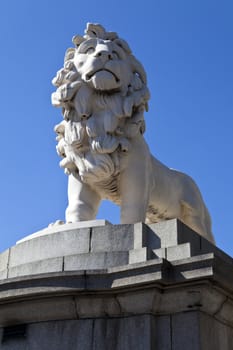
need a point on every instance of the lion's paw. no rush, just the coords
(56, 223)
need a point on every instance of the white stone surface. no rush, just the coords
(102, 90)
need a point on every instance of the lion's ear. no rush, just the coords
(95, 30)
(111, 36)
(138, 69)
(123, 44)
(136, 82)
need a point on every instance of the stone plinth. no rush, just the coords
(103, 286)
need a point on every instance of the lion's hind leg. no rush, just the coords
(197, 220)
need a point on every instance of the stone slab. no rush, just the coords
(4, 262)
(33, 286)
(185, 331)
(225, 313)
(65, 227)
(37, 267)
(142, 301)
(51, 246)
(141, 232)
(173, 232)
(192, 331)
(160, 253)
(140, 255)
(97, 306)
(162, 338)
(182, 300)
(124, 333)
(195, 267)
(3, 274)
(35, 310)
(211, 300)
(91, 334)
(99, 260)
(215, 335)
(180, 251)
(4, 259)
(112, 238)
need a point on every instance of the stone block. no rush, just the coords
(225, 314)
(174, 301)
(14, 344)
(37, 267)
(54, 308)
(127, 275)
(35, 286)
(146, 301)
(177, 252)
(3, 274)
(97, 307)
(165, 234)
(4, 261)
(112, 238)
(140, 255)
(185, 331)
(123, 333)
(195, 267)
(51, 246)
(161, 328)
(142, 332)
(91, 261)
(141, 232)
(173, 232)
(215, 335)
(60, 335)
(160, 253)
(153, 239)
(211, 300)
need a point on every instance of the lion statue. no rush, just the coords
(102, 90)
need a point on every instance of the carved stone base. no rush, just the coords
(160, 287)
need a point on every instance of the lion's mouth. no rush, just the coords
(91, 75)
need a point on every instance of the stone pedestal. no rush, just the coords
(119, 287)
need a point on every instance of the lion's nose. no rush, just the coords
(104, 54)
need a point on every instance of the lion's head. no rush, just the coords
(103, 92)
(103, 61)
(107, 65)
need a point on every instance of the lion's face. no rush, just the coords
(103, 64)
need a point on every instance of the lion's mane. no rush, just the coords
(99, 121)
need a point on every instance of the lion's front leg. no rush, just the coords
(134, 186)
(134, 196)
(83, 201)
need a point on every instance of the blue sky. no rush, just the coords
(186, 49)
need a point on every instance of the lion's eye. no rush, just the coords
(115, 55)
(90, 50)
